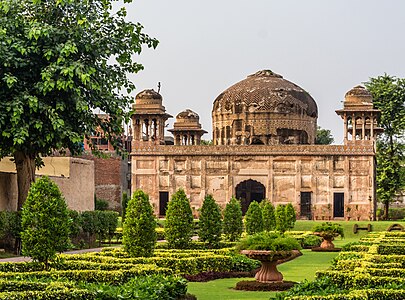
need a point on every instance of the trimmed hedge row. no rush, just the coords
(375, 294)
(97, 276)
(67, 294)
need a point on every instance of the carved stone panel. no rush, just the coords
(306, 181)
(163, 165)
(359, 186)
(306, 166)
(339, 181)
(145, 164)
(181, 181)
(195, 181)
(164, 181)
(179, 165)
(196, 165)
(322, 189)
(284, 166)
(284, 188)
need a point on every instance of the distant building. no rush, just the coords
(264, 129)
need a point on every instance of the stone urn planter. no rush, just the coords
(328, 232)
(268, 272)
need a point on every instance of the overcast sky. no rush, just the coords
(325, 47)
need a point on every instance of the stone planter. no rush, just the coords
(327, 240)
(270, 259)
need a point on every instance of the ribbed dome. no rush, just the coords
(359, 94)
(266, 91)
(148, 94)
(188, 114)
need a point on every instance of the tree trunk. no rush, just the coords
(25, 165)
(386, 209)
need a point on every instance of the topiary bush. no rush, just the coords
(254, 218)
(273, 241)
(269, 218)
(179, 221)
(45, 222)
(139, 235)
(290, 216)
(210, 225)
(233, 224)
(281, 218)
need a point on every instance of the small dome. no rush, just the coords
(148, 94)
(188, 114)
(359, 94)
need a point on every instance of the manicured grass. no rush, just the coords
(303, 267)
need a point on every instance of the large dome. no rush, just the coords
(265, 91)
(266, 109)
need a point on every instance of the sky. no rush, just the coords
(325, 47)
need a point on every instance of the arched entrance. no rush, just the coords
(248, 191)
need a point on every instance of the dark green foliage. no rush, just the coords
(45, 222)
(60, 60)
(290, 216)
(389, 97)
(281, 218)
(210, 224)
(102, 223)
(233, 222)
(124, 204)
(311, 241)
(269, 218)
(179, 221)
(75, 223)
(154, 287)
(139, 235)
(100, 204)
(254, 218)
(268, 241)
(328, 229)
(323, 136)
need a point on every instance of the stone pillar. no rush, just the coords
(372, 127)
(363, 128)
(150, 129)
(353, 127)
(345, 128)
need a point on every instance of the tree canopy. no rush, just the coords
(323, 136)
(389, 97)
(59, 61)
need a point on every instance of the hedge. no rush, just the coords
(67, 294)
(375, 294)
(97, 276)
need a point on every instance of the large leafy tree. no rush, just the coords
(210, 225)
(60, 60)
(389, 97)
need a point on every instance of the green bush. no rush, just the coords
(233, 224)
(269, 218)
(210, 225)
(281, 218)
(329, 230)
(100, 204)
(254, 218)
(45, 222)
(124, 204)
(179, 221)
(139, 234)
(291, 216)
(268, 241)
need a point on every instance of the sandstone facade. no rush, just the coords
(263, 135)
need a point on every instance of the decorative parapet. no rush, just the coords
(285, 150)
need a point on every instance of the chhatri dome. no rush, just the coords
(264, 109)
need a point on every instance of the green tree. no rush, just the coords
(179, 221)
(389, 97)
(281, 218)
(269, 218)
(210, 225)
(233, 222)
(254, 218)
(139, 234)
(323, 136)
(290, 216)
(45, 222)
(59, 61)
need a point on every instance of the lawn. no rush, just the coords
(301, 268)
